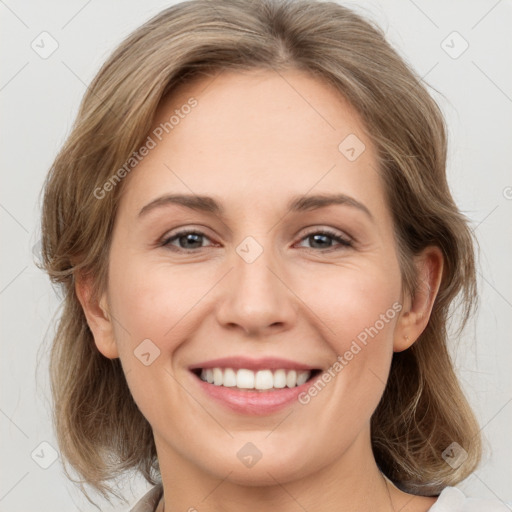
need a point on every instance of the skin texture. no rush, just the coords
(255, 140)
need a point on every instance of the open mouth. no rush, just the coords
(261, 380)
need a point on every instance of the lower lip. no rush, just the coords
(253, 402)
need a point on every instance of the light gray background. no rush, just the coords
(39, 99)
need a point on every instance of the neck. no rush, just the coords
(351, 483)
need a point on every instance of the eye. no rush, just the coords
(323, 240)
(187, 240)
(190, 240)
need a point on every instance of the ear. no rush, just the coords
(98, 316)
(417, 309)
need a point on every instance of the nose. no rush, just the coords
(257, 297)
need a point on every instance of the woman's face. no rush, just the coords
(261, 292)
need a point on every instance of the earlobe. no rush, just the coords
(98, 317)
(416, 314)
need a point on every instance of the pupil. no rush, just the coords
(320, 238)
(191, 237)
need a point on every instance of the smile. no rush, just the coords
(260, 380)
(253, 386)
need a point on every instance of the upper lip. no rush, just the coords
(264, 363)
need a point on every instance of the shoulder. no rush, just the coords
(149, 501)
(454, 500)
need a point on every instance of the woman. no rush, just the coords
(294, 356)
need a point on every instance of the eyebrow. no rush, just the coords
(296, 204)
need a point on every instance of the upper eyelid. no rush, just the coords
(184, 231)
(307, 230)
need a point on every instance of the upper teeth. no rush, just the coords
(247, 379)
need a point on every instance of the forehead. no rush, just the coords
(260, 136)
(278, 109)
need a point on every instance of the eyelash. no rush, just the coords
(344, 242)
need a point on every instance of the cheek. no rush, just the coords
(355, 303)
(358, 312)
(150, 300)
(151, 305)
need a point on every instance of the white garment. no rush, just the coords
(451, 499)
(150, 500)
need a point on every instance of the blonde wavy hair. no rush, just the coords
(101, 432)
